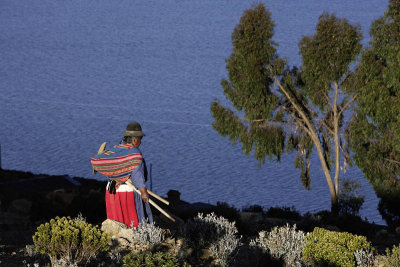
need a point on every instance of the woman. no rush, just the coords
(123, 162)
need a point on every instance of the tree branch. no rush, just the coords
(328, 100)
(297, 121)
(313, 135)
(347, 104)
(392, 160)
(246, 119)
(320, 119)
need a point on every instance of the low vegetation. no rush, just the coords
(150, 259)
(214, 233)
(221, 236)
(329, 248)
(282, 243)
(69, 241)
(393, 256)
(148, 234)
(74, 242)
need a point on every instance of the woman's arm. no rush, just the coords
(138, 180)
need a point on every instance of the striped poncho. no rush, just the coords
(118, 163)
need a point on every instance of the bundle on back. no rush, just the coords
(118, 162)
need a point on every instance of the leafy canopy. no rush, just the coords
(375, 129)
(284, 110)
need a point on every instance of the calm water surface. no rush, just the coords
(74, 73)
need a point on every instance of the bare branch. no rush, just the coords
(309, 127)
(246, 119)
(297, 121)
(328, 100)
(320, 119)
(394, 161)
(348, 103)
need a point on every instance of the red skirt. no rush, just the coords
(121, 206)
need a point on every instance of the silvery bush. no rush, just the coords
(148, 234)
(214, 233)
(364, 258)
(80, 218)
(282, 243)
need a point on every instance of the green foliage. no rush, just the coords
(277, 106)
(375, 129)
(328, 248)
(349, 200)
(327, 54)
(69, 240)
(393, 256)
(249, 88)
(151, 260)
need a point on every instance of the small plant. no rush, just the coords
(214, 233)
(116, 257)
(282, 243)
(326, 247)
(30, 250)
(393, 256)
(80, 217)
(148, 234)
(69, 241)
(151, 260)
(364, 258)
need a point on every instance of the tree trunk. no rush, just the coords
(336, 138)
(328, 177)
(314, 137)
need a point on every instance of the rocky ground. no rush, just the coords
(28, 200)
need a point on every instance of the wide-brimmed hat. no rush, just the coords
(133, 129)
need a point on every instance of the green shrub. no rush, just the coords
(328, 248)
(349, 199)
(70, 241)
(393, 257)
(151, 260)
(253, 208)
(283, 212)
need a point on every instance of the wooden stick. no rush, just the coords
(100, 151)
(102, 148)
(129, 183)
(158, 197)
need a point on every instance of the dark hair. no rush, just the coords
(128, 139)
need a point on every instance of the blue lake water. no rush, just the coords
(74, 73)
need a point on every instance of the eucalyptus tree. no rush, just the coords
(276, 109)
(375, 128)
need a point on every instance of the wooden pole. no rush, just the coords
(158, 197)
(129, 183)
(151, 177)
